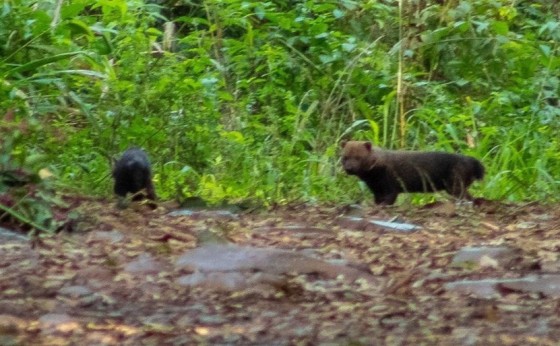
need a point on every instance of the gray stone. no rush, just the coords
(473, 254)
(548, 285)
(75, 291)
(234, 281)
(9, 235)
(360, 223)
(144, 264)
(231, 258)
(108, 236)
(396, 226)
(53, 320)
(205, 214)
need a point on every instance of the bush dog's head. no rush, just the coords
(357, 156)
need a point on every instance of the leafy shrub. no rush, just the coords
(248, 100)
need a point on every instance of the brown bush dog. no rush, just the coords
(388, 173)
(132, 173)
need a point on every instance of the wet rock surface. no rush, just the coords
(548, 285)
(198, 214)
(10, 235)
(475, 254)
(372, 224)
(144, 264)
(234, 281)
(111, 236)
(232, 258)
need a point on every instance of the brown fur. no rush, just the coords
(388, 173)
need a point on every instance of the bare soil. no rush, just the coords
(118, 278)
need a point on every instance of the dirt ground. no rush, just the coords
(291, 275)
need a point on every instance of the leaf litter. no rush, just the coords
(297, 274)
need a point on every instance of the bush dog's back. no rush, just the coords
(388, 173)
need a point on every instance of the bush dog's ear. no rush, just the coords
(343, 143)
(368, 146)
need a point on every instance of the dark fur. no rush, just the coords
(132, 173)
(388, 173)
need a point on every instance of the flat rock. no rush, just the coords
(144, 264)
(75, 291)
(360, 223)
(395, 226)
(548, 285)
(233, 258)
(108, 236)
(234, 281)
(476, 254)
(56, 322)
(205, 214)
(216, 281)
(9, 235)
(486, 288)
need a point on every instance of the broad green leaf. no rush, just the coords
(338, 13)
(33, 65)
(260, 12)
(545, 49)
(79, 26)
(501, 28)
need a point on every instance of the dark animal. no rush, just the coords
(388, 173)
(132, 173)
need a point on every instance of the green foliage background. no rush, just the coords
(248, 100)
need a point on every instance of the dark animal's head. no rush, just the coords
(357, 156)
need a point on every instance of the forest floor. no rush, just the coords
(441, 274)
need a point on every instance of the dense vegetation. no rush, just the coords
(239, 100)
